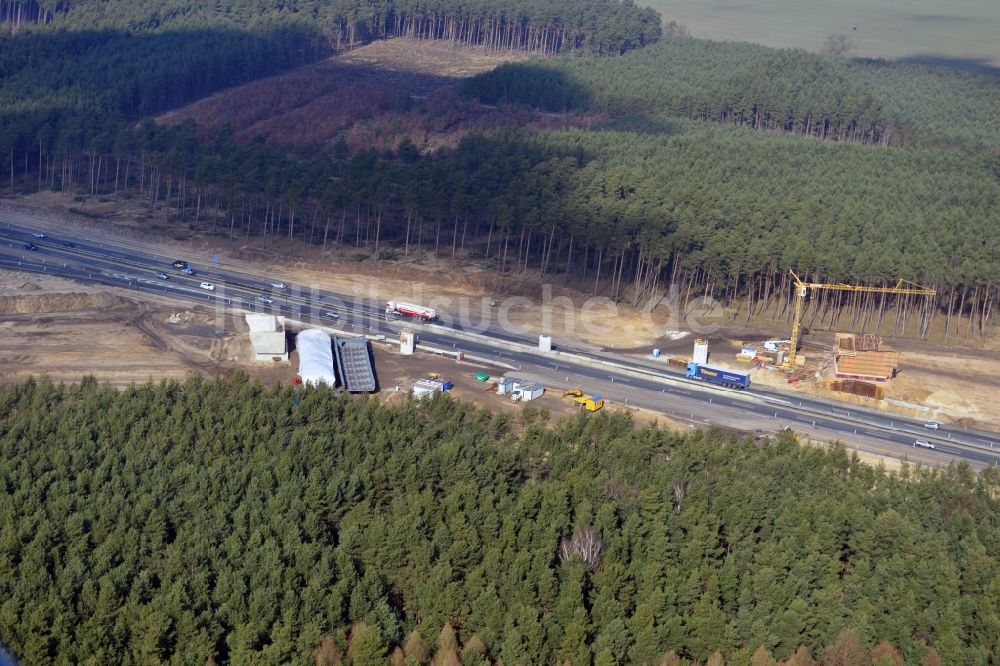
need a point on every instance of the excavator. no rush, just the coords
(591, 404)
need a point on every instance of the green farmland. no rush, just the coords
(964, 30)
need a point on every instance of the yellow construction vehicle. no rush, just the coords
(590, 404)
(802, 290)
(572, 393)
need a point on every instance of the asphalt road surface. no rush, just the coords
(120, 262)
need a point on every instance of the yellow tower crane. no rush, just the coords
(802, 290)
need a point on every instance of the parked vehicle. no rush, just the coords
(163, 276)
(207, 285)
(410, 310)
(718, 376)
(923, 443)
(592, 404)
(932, 425)
(265, 299)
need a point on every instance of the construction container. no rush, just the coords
(505, 385)
(528, 390)
(700, 352)
(424, 387)
(406, 341)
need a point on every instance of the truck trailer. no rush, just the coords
(410, 310)
(730, 378)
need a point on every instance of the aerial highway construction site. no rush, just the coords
(125, 307)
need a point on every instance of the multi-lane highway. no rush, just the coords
(128, 263)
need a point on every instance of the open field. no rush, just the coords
(962, 31)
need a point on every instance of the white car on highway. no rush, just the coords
(207, 285)
(923, 443)
(38, 234)
(932, 425)
(278, 285)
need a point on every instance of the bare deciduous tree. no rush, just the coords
(586, 543)
(681, 489)
(846, 650)
(838, 44)
(675, 30)
(885, 654)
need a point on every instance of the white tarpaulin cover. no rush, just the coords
(315, 357)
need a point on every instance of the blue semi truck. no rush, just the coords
(730, 378)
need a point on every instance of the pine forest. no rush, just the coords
(221, 522)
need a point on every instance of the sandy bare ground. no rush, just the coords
(958, 388)
(68, 331)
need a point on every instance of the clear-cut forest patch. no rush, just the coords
(372, 96)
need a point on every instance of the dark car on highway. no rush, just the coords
(30, 246)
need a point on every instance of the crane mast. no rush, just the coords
(802, 290)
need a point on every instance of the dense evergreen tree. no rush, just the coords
(221, 520)
(855, 100)
(634, 205)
